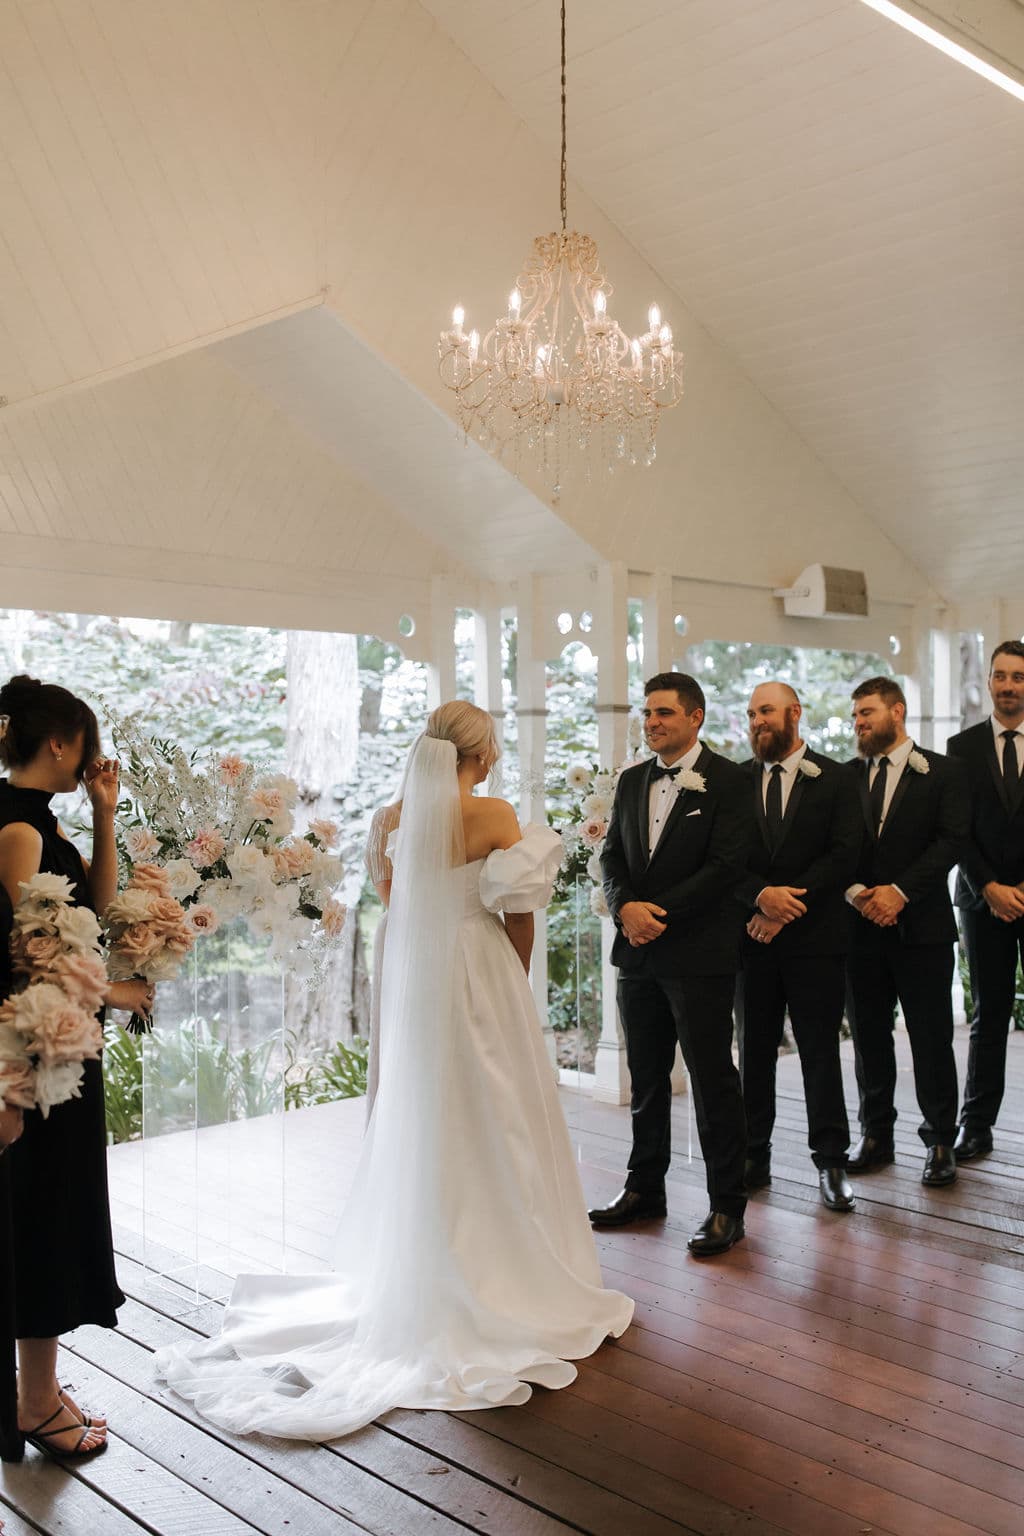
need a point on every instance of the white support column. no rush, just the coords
(611, 634)
(945, 686)
(531, 713)
(487, 691)
(441, 666)
(663, 648)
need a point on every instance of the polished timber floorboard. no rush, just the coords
(831, 1376)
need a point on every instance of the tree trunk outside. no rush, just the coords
(322, 750)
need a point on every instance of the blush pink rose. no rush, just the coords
(141, 843)
(231, 769)
(167, 916)
(593, 830)
(266, 803)
(84, 979)
(150, 878)
(203, 919)
(325, 832)
(333, 917)
(293, 860)
(137, 943)
(17, 1084)
(67, 1034)
(205, 848)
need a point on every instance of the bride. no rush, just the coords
(465, 1268)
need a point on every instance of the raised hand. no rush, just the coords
(101, 782)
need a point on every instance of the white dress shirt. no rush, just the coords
(1018, 741)
(790, 768)
(663, 796)
(897, 764)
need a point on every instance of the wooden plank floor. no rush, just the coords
(831, 1376)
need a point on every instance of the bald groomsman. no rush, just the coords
(804, 853)
(902, 930)
(988, 890)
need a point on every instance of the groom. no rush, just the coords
(676, 849)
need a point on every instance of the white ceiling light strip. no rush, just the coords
(945, 45)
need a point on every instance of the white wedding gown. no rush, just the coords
(466, 1268)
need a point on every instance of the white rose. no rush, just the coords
(182, 877)
(78, 927)
(248, 864)
(597, 805)
(598, 904)
(594, 869)
(578, 776)
(56, 1083)
(46, 888)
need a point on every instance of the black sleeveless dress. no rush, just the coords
(8, 1390)
(62, 1246)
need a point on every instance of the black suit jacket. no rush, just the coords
(817, 849)
(923, 836)
(693, 872)
(994, 850)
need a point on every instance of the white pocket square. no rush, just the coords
(693, 813)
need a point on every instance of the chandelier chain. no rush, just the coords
(563, 191)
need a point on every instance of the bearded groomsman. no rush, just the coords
(803, 856)
(902, 933)
(988, 890)
(677, 844)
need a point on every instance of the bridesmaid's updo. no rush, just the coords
(468, 728)
(36, 712)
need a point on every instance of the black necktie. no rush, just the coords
(876, 795)
(658, 772)
(773, 802)
(1011, 773)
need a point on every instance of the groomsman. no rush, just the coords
(803, 856)
(988, 890)
(676, 846)
(902, 932)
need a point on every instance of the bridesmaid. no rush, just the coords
(62, 1249)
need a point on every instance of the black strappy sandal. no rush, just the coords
(89, 1423)
(40, 1436)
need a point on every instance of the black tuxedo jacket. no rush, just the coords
(700, 856)
(818, 849)
(994, 849)
(923, 836)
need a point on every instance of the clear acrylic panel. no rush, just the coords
(213, 1119)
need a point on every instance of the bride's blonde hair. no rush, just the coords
(469, 729)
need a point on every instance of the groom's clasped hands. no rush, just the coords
(639, 921)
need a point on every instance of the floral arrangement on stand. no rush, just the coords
(222, 837)
(49, 1028)
(584, 833)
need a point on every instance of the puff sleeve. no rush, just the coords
(378, 843)
(519, 879)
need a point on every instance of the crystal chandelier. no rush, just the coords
(556, 371)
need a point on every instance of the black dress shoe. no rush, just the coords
(970, 1144)
(939, 1166)
(716, 1234)
(757, 1175)
(836, 1189)
(869, 1153)
(629, 1206)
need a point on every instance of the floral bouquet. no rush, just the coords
(224, 837)
(49, 1027)
(150, 933)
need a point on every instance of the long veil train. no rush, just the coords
(465, 1269)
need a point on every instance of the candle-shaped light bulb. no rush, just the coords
(474, 345)
(665, 335)
(638, 356)
(600, 304)
(654, 317)
(458, 315)
(540, 360)
(515, 304)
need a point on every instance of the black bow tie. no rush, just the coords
(658, 772)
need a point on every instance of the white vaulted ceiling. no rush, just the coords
(843, 209)
(292, 194)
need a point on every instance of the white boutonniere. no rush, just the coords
(689, 779)
(918, 762)
(808, 769)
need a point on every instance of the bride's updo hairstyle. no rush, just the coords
(469, 729)
(37, 711)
